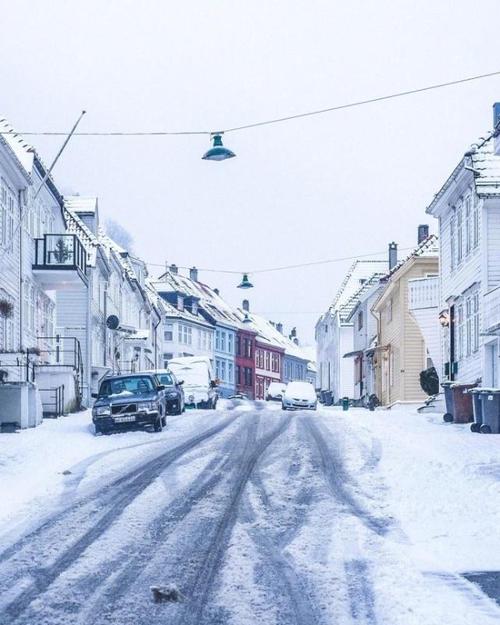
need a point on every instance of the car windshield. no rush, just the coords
(166, 379)
(134, 384)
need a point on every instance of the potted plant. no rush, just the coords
(6, 309)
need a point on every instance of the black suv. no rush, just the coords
(174, 393)
(134, 400)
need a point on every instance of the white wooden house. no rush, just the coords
(364, 328)
(468, 211)
(38, 261)
(334, 332)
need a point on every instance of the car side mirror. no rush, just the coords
(94, 395)
(213, 383)
(180, 382)
(160, 387)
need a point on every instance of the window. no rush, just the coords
(468, 225)
(389, 310)
(360, 320)
(237, 379)
(459, 236)
(185, 334)
(218, 369)
(223, 370)
(248, 376)
(248, 348)
(180, 302)
(238, 345)
(468, 326)
(230, 372)
(460, 332)
(223, 341)
(217, 340)
(268, 361)
(475, 223)
(452, 242)
(230, 342)
(475, 322)
(168, 333)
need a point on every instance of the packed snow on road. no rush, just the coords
(249, 514)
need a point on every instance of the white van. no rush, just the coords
(198, 380)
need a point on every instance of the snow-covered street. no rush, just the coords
(255, 515)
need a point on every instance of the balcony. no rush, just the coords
(60, 261)
(491, 312)
(423, 293)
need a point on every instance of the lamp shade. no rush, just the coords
(218, 152)
(245, 282)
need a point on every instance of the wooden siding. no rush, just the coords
(398, 367)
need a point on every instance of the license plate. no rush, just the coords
(124, 419)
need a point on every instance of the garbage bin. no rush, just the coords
(458, 402)
(491, 411)
(477, 406)
(448, 400)
(328, 398)
(345, 403)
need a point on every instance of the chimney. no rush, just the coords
(193, 274)
(393, 255)
(245, 305)
(216, 291)
(496, 115)
(279, 327)
(423, 233)
(174, 269)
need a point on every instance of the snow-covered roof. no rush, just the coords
(74, 225)
(485, 166)
(350, 306)
(209, 300)
(428, 247)
(22, 150)
(267, 332)
(80, 204)
(359, 272)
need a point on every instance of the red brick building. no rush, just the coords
(268, 365)
(245, 362)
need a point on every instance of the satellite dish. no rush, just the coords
(112, 322)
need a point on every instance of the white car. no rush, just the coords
(275, 391)
(299, 395)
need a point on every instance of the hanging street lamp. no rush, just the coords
(218, 152)
(245, 282)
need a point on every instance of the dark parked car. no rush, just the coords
(174, 393)
(135, 400)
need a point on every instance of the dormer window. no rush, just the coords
(194, 308)
(180, 303)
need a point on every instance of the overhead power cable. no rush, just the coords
(283, 267)
(277, 120)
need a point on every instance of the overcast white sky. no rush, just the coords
(336, 185)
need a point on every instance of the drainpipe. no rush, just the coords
(21, 294)
(155, 332)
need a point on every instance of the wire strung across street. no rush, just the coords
(283, 267)
(161, 133)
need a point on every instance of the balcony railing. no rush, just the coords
(423, 293)
(60, 251)
(491, 311)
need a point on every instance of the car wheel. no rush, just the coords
(164, 421)
(283, 407)
(158, 424)
(214, 404)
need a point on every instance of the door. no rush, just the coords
(492, 364)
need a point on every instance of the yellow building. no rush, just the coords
(401, 353)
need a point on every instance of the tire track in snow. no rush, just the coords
(202, 584)
(340, 482)
(132, 485)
